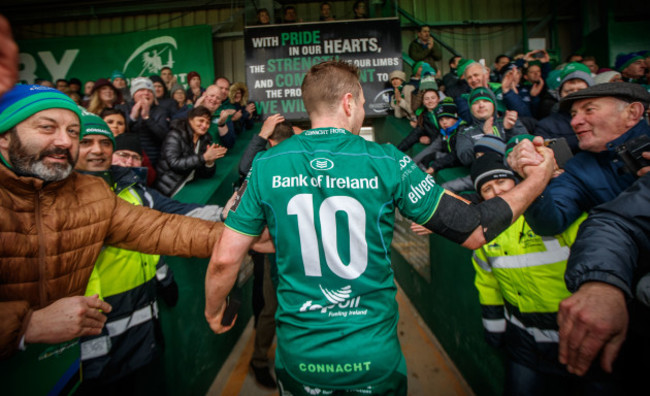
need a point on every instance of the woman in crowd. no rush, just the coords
(116, 121)
(181, 105)
(187, 152)
(400, 97)
(238, 96)
(425, 128)
(103, 95)
(195, 90)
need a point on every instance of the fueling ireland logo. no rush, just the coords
(150, 57)
(341, 303)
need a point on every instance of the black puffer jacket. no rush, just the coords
(178, 158)
(613, 245)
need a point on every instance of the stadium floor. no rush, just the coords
(430, 371)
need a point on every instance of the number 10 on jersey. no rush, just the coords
(302, 206)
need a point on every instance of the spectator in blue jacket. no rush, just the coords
(604, 116)
(609, 272)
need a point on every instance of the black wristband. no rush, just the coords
(496, 217)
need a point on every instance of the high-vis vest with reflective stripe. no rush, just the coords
(125, 279)
(524, 272)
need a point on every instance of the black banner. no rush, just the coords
(278, 56)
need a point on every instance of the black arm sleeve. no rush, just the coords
(456, 220)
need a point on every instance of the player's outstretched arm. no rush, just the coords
(227, 256)
(474, 225)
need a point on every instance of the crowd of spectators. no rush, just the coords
(593, 117)
(491, 122)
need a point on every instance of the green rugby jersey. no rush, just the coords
(328, 198)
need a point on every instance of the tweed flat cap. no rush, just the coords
(628, 92)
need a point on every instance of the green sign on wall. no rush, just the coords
(134, 54)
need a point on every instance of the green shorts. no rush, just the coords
(395, 384)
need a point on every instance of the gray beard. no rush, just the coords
(50, 173)
(25, 163)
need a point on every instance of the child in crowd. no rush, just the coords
(485, 121)
(440, 154)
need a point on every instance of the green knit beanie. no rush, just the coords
(23, 101)
(462, 65)
(482, 93)
(94, 125)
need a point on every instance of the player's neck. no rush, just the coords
(330, 122)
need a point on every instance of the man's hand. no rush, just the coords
(135, 111)
(8, 57)
(264, 243)
(221, 275)
(537, 87)
(250, 108)
(645, 169)
(510, 119)
(66, 319)
(146, 107)
(214, 320)
(425, 140)
(420, 230)
(200, 100)
(237, 115)
(595, 318)
(545, 170)
(223, 117)
(269, 125)
(430, 42)
(487, 126)
(525, 153)
(506, 82)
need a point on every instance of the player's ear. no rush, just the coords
(347, 104)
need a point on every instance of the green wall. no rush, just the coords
(193, 353)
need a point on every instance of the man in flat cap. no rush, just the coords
(603, 117)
